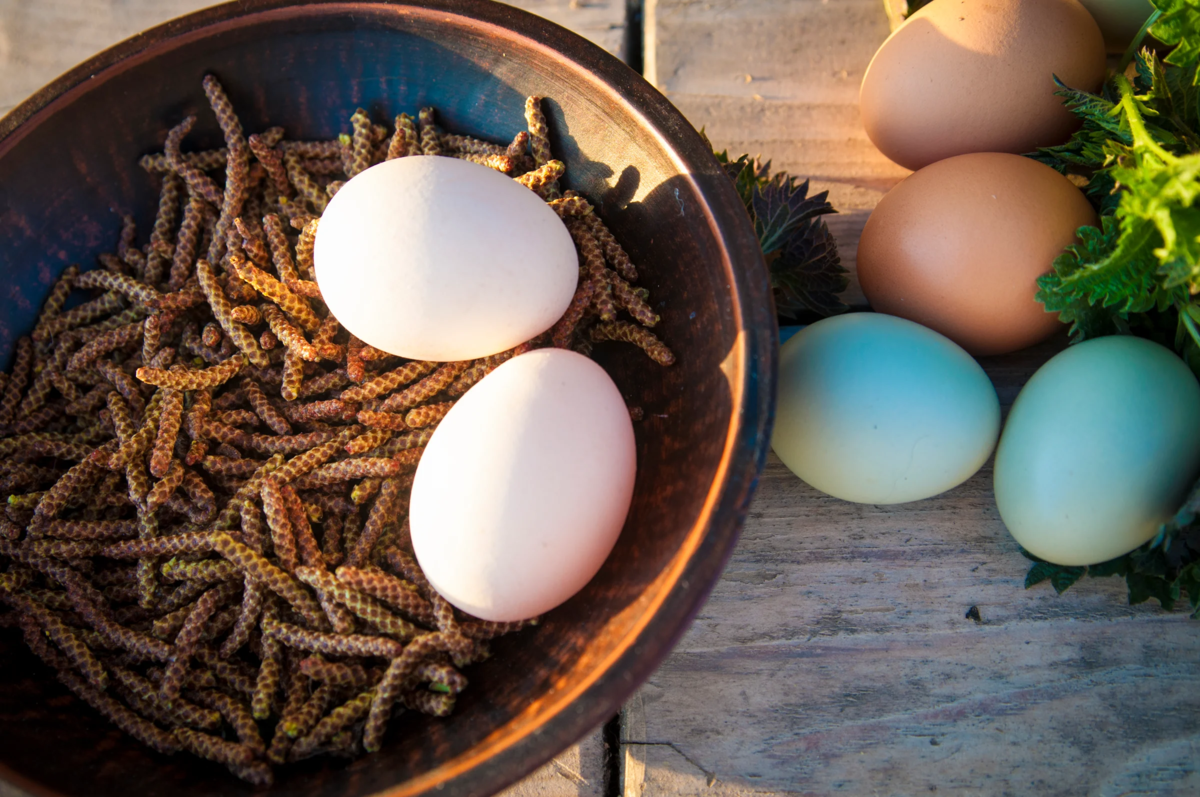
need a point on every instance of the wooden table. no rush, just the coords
(836, 654)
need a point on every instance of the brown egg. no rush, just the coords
(959, 245)
(978, 76)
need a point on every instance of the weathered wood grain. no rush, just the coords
(835, 654)
(780, 78)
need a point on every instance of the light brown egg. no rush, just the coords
(958, 246)
(978, 76)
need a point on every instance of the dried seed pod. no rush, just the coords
(58, 295)
(392, 421)
(306, 541)
(237, 757)
(417, 438)
(628, 298)
(543, 180)
(268, 681)
(424, 390)
(282, 536)
(121, 283)
(361, 605)
(237, 715)
(319, 411)
(387, 382)
(245, 314)
(20, 374)
(631, 333)
(304, 250)
(331, 644)
(198, 183)
(337, 674)
(195, 216)
(341, 718)
(86, 313)
(382, 514)
(191, 542)
(237, 165)
(208, 571)
(252, 603)
(169, 420)
(185, 642)
(308, 188)
(254, 244)
(372, 438)
(144, 697)
(221, 311)
(205, 160)
(570, 207)
(405, 140)
(188, 379)
(349, 469)
(399, 676)
(272, 161)
(253, 531)
(265, 410)
(142, 730)
(90, 530)
(430, 135)
(470, 145)
(289, 334)
(258, 569)
(562, 333)
(539, 132)
(64, 637)
(427, 415)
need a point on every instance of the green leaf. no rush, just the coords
(1179, 25)
(802, 256)
(1041, 571)
(780, 206)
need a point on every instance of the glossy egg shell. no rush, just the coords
(436, 258)
(524, 487)
(959, 245)
(879, 410)
(1100, 448)
(962, 77)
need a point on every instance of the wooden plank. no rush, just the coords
(780, 78)
(41, 40)
(835, 654)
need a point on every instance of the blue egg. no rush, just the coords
(1100, 448)
(881, 410)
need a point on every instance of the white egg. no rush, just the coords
(442, 259)
(524, 487)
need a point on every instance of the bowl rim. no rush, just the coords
(750, 367)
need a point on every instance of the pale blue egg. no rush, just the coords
(880, 410)
(1100, 448)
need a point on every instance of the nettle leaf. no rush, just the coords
(801, 254)
(781, 206)
(808, 273)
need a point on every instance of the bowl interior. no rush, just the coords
(68, 171)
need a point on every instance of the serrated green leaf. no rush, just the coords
(1064, 577)
(1041, 571)
(802, 256)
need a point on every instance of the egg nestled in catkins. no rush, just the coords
(524, 487)
(958, 247)
(442, 259)
(961, 76)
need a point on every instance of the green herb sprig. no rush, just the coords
(802, 257)
(1138, 149)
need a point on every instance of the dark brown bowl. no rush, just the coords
(68, 171)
